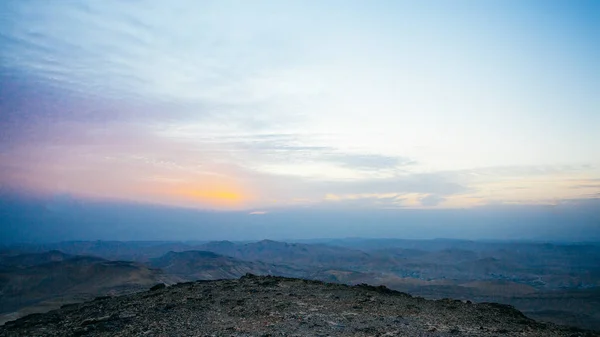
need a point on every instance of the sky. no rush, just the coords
(260, 106)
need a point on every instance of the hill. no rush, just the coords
(201, 265)
(275, 306)
(297, 254)
(17, 261)
(45, 286)
(547, 281)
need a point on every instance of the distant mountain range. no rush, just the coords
(202, 265)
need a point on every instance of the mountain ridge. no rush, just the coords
(269, 306)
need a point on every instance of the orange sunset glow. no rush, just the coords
(210, 194)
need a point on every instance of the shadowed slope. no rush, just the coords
(201, 265)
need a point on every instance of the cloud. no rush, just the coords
(436, 183)
(367, 200)
(300, 149)
(432, 200)
(109, 99)
(384, 200)
(586, 186)
(367, 161)
(114, 61)
(141, 162)
(258, 212)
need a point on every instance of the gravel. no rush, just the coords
(277, 306)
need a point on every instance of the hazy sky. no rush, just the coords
(258, 105)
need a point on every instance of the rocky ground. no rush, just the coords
(276, 306)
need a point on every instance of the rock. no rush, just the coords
(158, 287)
(276, 306)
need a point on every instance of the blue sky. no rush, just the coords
(236, 105)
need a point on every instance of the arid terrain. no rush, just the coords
(557, 283)
(275, 306)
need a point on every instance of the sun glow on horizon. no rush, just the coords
(213, 195)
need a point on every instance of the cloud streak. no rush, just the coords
(247, 106)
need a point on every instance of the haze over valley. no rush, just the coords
(548, 282)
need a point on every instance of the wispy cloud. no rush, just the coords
(432, 200)
(368, 161)
(197, 103)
